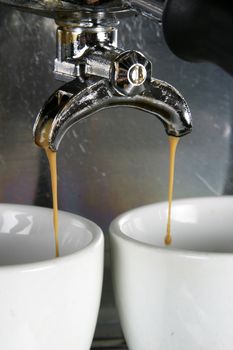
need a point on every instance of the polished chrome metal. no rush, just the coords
(78, 100)
(88, 51)
(74, 40)
(137, 74)
(85, 50)
(130, 73)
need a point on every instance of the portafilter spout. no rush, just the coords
(80, 99)
(99, 75)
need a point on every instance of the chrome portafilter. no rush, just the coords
(100, 76)
(97, 73)
(78, 100)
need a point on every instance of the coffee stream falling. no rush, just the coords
(52, 158)
(173, 142)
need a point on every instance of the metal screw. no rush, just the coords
(137, 74)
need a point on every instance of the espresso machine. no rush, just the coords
(104, 54)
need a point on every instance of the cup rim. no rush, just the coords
(115, 229)
(96, 238)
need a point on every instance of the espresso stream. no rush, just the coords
(52, 158)
(173, 142)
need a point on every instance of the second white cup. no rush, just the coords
(177, 297)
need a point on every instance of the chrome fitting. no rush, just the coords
(130, 73)
(75, 45)
(99, 75)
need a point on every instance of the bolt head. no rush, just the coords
(130, 73)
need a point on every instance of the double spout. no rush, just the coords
(100, 76)
(78, 100)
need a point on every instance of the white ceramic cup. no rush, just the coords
(178, 297)
(48, 303)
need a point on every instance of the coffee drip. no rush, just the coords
(52, 158)
(173, 142)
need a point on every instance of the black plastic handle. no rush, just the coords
(200, 30)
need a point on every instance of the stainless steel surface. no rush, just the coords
(150, 8)
(66, 9)
(115, 160)
(72, 8)
(74, 41)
